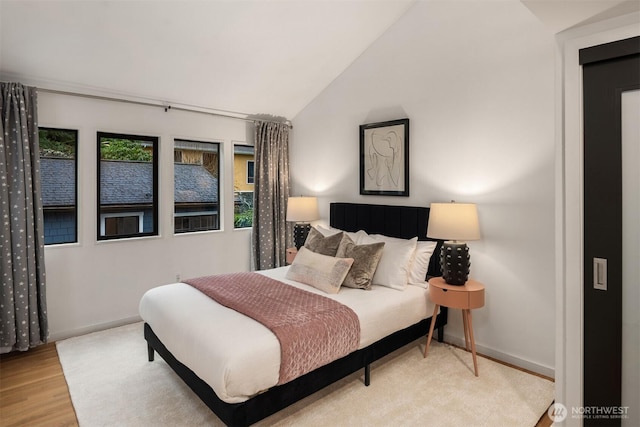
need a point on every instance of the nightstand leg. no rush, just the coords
(466, 329)
(433, 323)
(473, 341)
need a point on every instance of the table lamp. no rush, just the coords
(455, 223)
(301, 210)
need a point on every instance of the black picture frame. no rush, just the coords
(384, 158)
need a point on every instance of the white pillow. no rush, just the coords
(393, 268)
(327, 231)
(320, 271)
(420, 263)
(330, 231)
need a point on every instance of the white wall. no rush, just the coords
(476, 79)
(92, 285)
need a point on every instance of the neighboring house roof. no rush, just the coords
(243, 149)
(58, 177)
(125, 183)
(194, 184)
(181, 144)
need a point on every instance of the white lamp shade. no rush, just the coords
(453, 221)
(302, 209)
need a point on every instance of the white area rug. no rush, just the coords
(112, 384)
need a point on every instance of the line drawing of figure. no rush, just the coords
(385, 161)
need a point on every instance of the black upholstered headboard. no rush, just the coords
(404, 222)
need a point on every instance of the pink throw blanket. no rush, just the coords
(313, 330)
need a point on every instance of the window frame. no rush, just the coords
(75, 198)
(217, 212)
(155, 144)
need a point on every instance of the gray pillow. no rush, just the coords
(365, 262)
(318, 243)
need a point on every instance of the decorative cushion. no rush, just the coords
(394, 265)
(420, 263)
(320, 271)
(320, 244)
(365, 261)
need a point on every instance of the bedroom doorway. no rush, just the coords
(611, 93)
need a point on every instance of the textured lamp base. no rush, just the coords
(455, 263)
(300, 233)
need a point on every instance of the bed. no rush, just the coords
(234, 403)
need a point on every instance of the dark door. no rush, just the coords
(608, 71)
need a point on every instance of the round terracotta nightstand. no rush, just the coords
(465, 297)
(291, 255)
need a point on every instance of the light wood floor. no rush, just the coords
(33, 391)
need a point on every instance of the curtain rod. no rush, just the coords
(166, 105)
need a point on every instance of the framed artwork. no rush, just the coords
(384, 158)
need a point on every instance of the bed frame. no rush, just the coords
(395, 221)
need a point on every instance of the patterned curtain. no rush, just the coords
(271, 192)
(23, 308)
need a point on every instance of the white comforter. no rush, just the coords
(239, 357)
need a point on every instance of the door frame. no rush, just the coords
(569, 204)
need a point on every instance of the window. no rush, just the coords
(177, 156)
(243, 179)
(185, 223)
(250, 175)
(127, 186)
(58, 178)
(196, 173)
(118, 225)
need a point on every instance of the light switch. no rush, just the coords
(600, 274)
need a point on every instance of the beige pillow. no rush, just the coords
(320, 271)
(365, 261)
(320, 244)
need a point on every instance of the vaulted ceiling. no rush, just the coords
(251, 56)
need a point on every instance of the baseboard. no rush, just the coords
(528, 365)
(58, 336)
